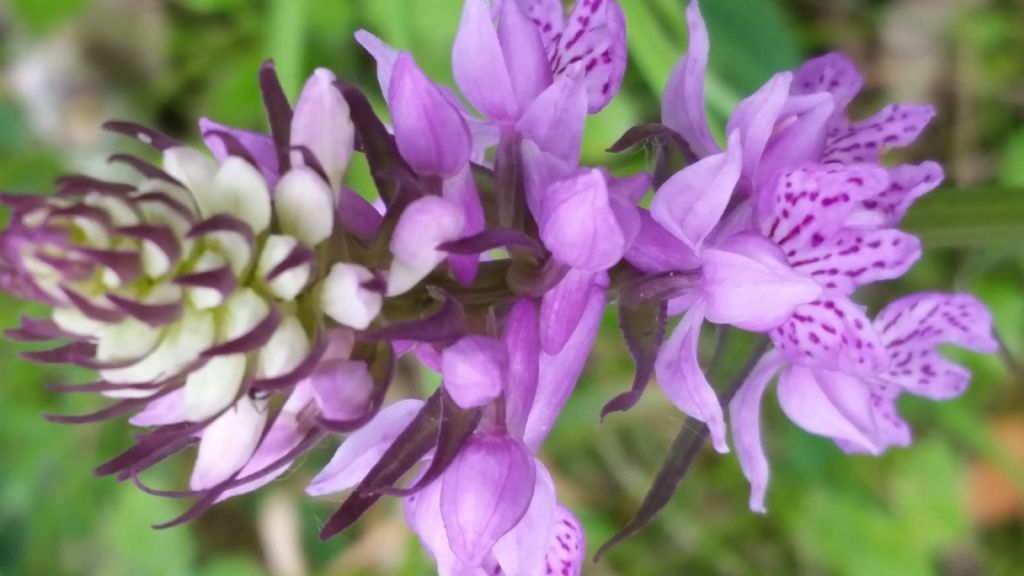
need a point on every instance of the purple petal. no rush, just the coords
(384, 54)
(594, 38)
(562, 309)
(855, 258)
(691, 203)
(474, 370)
(655, 251)
(560, 372)
(284, 435)
(484, 494)
(522, 339)
(430, 132)
(228, 443)
(167, 409)
(555, 119)
(745, 415)
(895, 126)
(682, 107)
(828, 403)
(682, 379)
(834, 334)
(799, 137)
(478, 64)
(578, 224)
(907, 183)
(747, 282)
(343, 389)
(424, 225)
(322, 124)
(358, 216)
(461, 190)
(528, 68)
(361, 451)
(261, 147)
(423, 514)
(755, 119)
(891, 430)
(541, 169)
(805, 207)
(523, 549)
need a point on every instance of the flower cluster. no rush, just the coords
(248, 301)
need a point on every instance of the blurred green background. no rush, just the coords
(950, 505)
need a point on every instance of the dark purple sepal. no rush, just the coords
(301, 255)
(659, 287)
(161, 236)
(220, 279)
(147, 169)
(38, 330)
(222, 223)
(148, 136)
(92, 310)
(357, 216)
(671, 152)
(171, 203)
(126, 264)
(310, 160)
(76, 184)
(445, 325)
(643, 329)
(456, 427)
(404, 453)
(492, 239)
(80, 211)
(155, 315)
(233, 146)
(146, 445)
(70, 270)
(70, 353)
(374, 140)
(526, 280)
(251, 340)
(100, 386)
(21, 202)
(279, 113)
(113, 411)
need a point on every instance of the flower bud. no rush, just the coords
(344, 298)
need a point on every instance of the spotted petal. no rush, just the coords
(895, 126)
(913, 327)
(806, 206)
(854, 258)
(832, 333)
(595, 36)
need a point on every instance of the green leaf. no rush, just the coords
(963, 218)
(286, 22)
(44, 15)
(233, 566)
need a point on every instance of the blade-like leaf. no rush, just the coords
(949, 218)
(680, 457)
(405, 452)
(643, 329)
